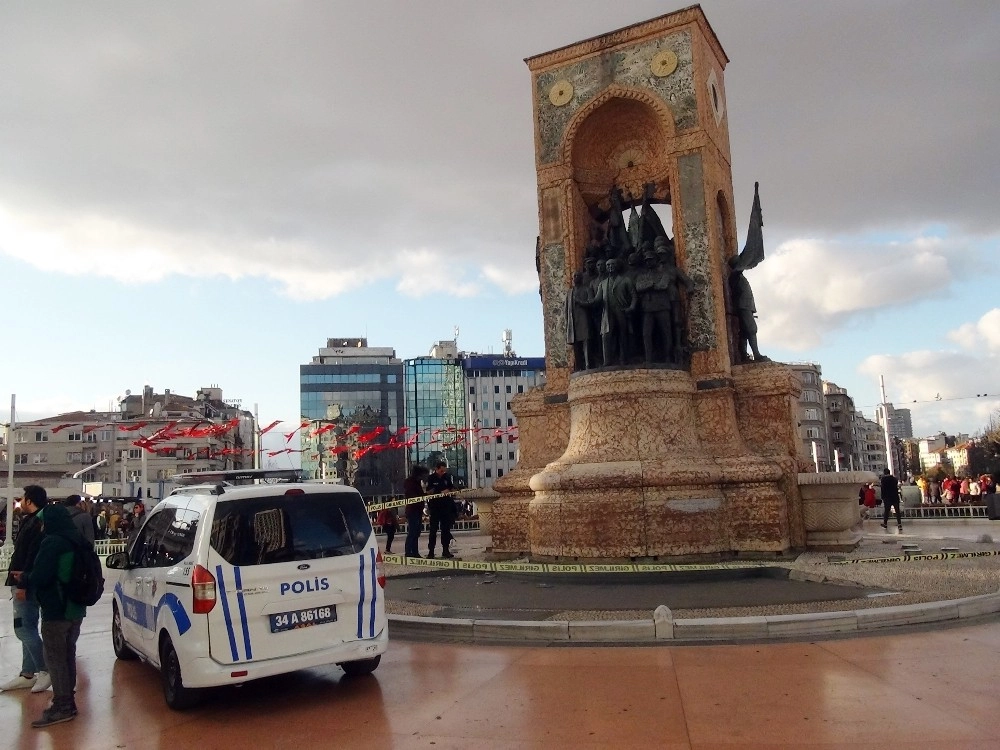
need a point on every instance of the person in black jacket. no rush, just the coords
(890, 499)
(49, 578)
(33, 673)
(81, 518)
(413, 487)
(440, 509)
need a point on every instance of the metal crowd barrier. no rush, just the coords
(103, 548)
(940, 511)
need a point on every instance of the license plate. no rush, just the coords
(302, 618)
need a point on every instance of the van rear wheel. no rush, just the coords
(122, 651)
(361, 667)
(175, 694)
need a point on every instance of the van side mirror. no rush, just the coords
(117, 561)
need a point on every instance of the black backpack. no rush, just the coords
(86, 584)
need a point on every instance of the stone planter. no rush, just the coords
(830, 508)
(483, 500)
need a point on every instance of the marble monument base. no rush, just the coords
(637, 480)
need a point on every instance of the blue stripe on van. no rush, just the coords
(225, 611)
(371, 626)
(361, 597)
(243, 613)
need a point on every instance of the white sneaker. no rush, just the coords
(42, 682)
(19, 683)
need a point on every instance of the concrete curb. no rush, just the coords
(662, 628)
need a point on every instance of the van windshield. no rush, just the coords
(282, 528)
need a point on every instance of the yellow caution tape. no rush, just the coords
(571, 568)
(525, 567)
(917, 558)
(401, 501)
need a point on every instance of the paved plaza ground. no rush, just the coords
(934, 689)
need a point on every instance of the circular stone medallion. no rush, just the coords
(663, 63)
(561, 93)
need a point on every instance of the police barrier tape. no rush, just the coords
(524, 567)
(917, 558)
(401, 501)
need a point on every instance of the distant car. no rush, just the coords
(222, 585)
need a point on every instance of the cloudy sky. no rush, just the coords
(202, 193)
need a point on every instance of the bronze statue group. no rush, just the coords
(628, 304)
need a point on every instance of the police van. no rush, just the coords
(225, 584)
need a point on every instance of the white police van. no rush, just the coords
(224, 584)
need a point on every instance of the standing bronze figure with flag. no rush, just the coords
(741, 295)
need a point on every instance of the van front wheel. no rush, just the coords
(361, 666)
(122, 650)
(175, 694)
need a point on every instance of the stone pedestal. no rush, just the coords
(543, 430)
(638, 480)
(830, 508)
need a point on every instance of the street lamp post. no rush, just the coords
(7, 542)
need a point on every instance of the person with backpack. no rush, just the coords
(50, 580)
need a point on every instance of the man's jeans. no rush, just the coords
(59, 638)
(26, 630)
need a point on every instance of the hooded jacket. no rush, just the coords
(54, 566)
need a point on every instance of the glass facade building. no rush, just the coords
(436, 414)
(347, 393)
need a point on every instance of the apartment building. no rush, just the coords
(169, 433)
(812, 421)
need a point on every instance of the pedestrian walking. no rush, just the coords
(33, 673)
(388, 520)
(890, 499)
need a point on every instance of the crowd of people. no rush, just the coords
(106, 519)
(955, 490)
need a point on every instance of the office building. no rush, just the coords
(351, 395)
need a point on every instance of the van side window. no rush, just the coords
(276, 529)
(177, 541)
(143, 551)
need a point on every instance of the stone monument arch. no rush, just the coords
(640, 458)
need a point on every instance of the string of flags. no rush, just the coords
(350, 441)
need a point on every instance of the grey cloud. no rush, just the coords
(353, 130)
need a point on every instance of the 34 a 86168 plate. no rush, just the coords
(302, 618)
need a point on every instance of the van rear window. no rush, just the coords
(295, 527)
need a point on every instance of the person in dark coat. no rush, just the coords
(61, 617)
(890, 499)
(81, 518)
(33, 673)
(413, 487)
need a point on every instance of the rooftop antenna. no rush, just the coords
(506, 338)
(456, 334)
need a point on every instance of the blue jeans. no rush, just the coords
(26, 629)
